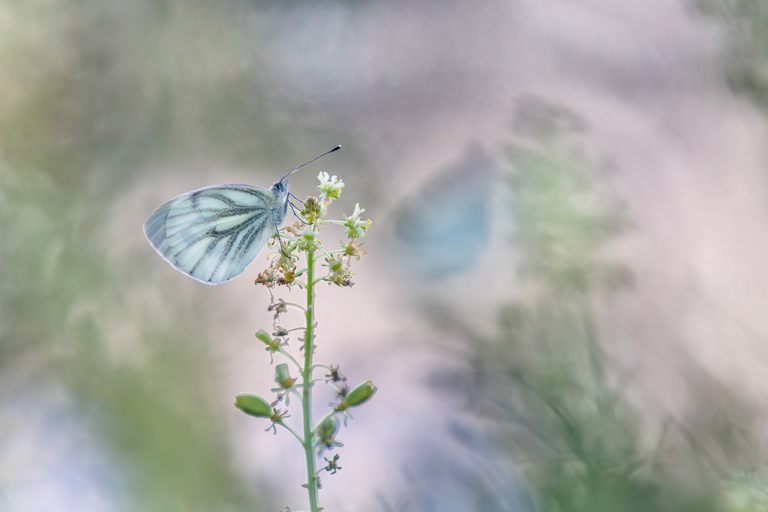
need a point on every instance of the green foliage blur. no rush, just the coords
(82, 111)
(744, 25)
(561, 402)
(547, 363)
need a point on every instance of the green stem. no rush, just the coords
(290, 358)
(295, 305)
(289, 429)
(306, 376)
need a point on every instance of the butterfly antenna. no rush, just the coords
(336, 148)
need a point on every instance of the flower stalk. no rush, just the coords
(306, 378)
(293, 242)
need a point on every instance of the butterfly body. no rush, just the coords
(212, 234)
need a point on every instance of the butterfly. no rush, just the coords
(212, 234)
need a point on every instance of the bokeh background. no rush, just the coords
(564, 301)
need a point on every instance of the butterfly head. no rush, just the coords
(280, 191)
(280, 188)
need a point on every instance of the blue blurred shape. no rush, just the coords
(442, 229)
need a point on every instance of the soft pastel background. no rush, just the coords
(564, 304)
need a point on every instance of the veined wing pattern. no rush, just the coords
(214, 233)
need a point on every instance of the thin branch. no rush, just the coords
(289, 429)
(291, 358)
(324, 250)
(295, 306)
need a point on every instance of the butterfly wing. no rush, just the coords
(214, 233)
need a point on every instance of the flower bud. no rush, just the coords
(253, 405)
(283, 376)
(326, 431)
(264, 337)
(358, 396)
(272, 344)
(312, 210)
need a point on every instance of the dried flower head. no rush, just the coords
(279, 307)
(353, 250)
(333, 464)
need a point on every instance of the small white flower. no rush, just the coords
(356, 228)
(330, 187)
(357, 212)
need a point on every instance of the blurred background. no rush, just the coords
(564, 299)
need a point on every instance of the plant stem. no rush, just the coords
(289, 429)
(291, 358)
(306, 376)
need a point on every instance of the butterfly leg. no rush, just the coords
(295, 197)
(280, 241)
(293, 207)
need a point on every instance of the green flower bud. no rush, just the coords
(325, 431)
(272, 344)
(253, 405)
(264, 337)
(312, 210)
(358, 396)
(283, 376)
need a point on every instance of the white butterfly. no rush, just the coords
(212, 234)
